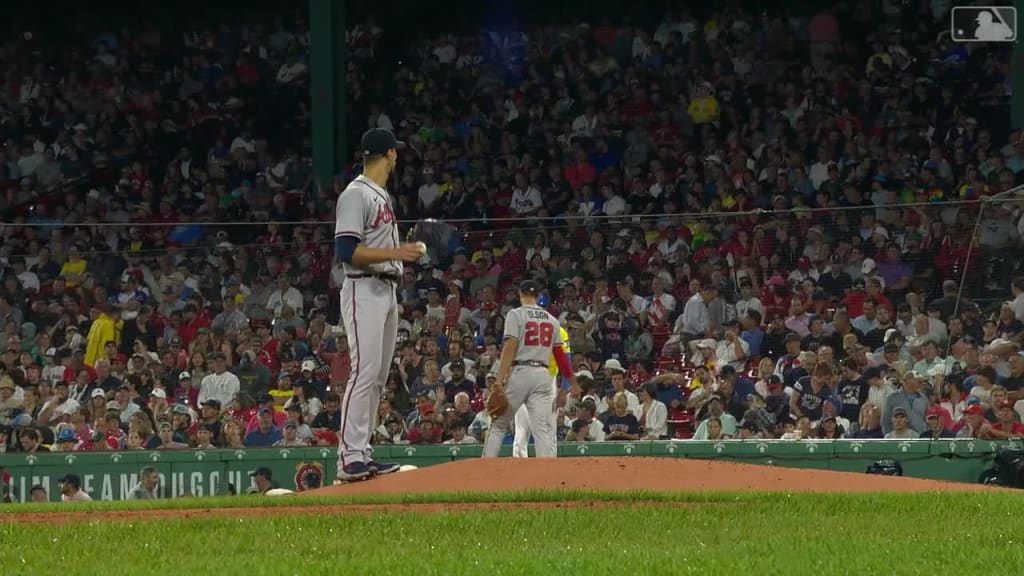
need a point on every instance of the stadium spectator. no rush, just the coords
(149, 480)
(653, 414)
(266, 433)
(936, 424)
(71, 489)
(38, 494)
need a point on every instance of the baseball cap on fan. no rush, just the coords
(377, 141)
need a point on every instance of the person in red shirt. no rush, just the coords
(266, 402)
(873, 291)
(340, 361)
(114, 437)
(862, 291)
(637, 107)
(942, 414)
(426, 432)
(580, 172)
(1007, 425)
(952, 258)
(193, 322)
(453, 304)
(665, 132)
(74, 365)
(854, 300)
(974, 424)
(739, 246)
(775, 297)
(246, 72)
(187, 391)
(82, 430)
(320, 259)
(513, 260)
(267, 354)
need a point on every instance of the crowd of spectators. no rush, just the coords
(830, 169)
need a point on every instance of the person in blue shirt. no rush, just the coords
(620, 424)
(266, 434)
(735, 391)
(752, 333)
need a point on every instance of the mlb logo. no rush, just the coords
(984, 24)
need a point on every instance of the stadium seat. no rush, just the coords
(682, 424)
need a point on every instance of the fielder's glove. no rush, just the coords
(497, 402)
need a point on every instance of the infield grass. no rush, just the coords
(718, 533)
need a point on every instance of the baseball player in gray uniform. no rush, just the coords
(532, 336)
(367, 243)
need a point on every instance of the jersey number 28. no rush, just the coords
(538, 334)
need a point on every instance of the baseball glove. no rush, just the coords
(497, 402)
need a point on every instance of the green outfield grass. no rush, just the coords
(931, 533)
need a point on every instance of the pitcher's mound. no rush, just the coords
(610, 473)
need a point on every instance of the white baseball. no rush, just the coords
(421, 247)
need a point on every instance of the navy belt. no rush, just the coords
(381, 276)
(533, 363)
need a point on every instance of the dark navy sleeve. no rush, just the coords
(344, 247)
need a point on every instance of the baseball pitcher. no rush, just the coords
(367, 243)
(532, 336)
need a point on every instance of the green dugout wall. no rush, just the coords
(111, 475)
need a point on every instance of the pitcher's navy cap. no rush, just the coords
(377, 141)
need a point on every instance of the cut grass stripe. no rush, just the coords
(7, 512)
(776, 533)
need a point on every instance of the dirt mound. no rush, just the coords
(609, 473)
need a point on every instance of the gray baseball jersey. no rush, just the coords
(364, 211)
(536, 331)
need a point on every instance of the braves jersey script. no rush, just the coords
(537, 332)
(365, 212)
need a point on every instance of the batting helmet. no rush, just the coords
(543, 300)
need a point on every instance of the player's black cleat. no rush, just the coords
(355, 471)
(382, 468)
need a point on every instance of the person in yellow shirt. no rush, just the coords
(879, 59)
(703, 106)
(105, 328)
(487, 246)
(73, 271)
(283, 392)
(521, 440)
(552, 365)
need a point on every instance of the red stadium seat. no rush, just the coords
(681, 424)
